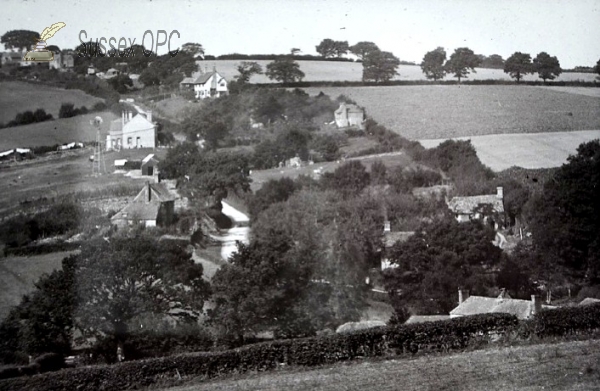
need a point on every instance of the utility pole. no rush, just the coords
(98, 164)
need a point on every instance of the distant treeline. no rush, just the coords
(306, 84)
(298, 57)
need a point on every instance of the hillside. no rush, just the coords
(17, 97)
(560, 366)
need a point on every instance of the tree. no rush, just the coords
(380, 66)
(128, 277)
(565, 221)
(433, 64)
(461, 61)
(53, 48)
(284, 70)
(363, 49)
(548, 68)
(195, 49)
(294, 51)
(273, 191)
(208, 124)
(597, 67)
(495, 61)
(19, 39)
(327, 48)
(246, 69)
(120, 83)
(349, 179)
(518, 65)
(341, 48)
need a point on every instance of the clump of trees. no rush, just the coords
(285, 70)
(29, 117)
(546, 66)
(330, 48)
(68, 110)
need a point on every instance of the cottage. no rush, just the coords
(389, 239)
(132, 132)
(486, 207)
(207, 85)
(473, 305)
(348, 115)
(12, 59)
(153, 206)
(62, 61)
(150, 165)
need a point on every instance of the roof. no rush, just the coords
(391, 238)
(589, 300)
(138, 121)
(468, 205)
(426, 318)
(138, 210)
(348, 107)
(159, 193)
(187, 80)
(484, 305)
(148, 158)
(354, 326)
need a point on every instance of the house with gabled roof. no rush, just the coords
(206, 85)
(485, 207)
(153, 206)
(130, 132)
(348, 115)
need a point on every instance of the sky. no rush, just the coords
(567, 29)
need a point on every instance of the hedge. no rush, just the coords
(567, 320)
(404, 339)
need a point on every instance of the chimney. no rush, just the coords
(499, 192)
(149, 115)
(123, 118)
(462, 296)
(130, 115)
(149, 191)
(387, 226)
(536, 305)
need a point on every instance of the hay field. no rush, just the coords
(17, 97)
(18, 274)
(527, 150)
(352, 71)
(564, 366)
(431, 112)
(58, 131)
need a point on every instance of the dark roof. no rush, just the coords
(159, 193)
(138, 210)
(351, 108)
(426, 318)
(468, 205)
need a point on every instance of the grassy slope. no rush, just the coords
(561, 366)
(431, 112)
(18, 274)
(17, 97)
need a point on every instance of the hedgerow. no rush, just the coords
(395, 340)
(568, 320)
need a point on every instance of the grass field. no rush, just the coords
(17, 97)
(58, 131)
(352, 71)
(537, 150)
(567, 366)
(18, 274)
(430, 112)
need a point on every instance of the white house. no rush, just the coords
(132, 132)
(207, 85)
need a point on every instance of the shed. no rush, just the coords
(150, 165)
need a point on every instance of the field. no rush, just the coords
(352, 71)
(58, 131)
(259, 177)
(527, 150)
(565, 366)
(58, 176)
(17, 97)
(431, 112)
(18, 274)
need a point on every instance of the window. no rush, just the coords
(129, 140)
(137, 141)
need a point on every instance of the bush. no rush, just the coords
(568, 320)
(29, 117)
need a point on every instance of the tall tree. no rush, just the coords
(363, 48)
(117, 282)
(19, 39)
(327, 48)
(462, 62)
(195, 49)
(518, 65)
(547, 67)
(341, 48)
(433, 64)
(284, 70)
(246, 69)
(380, 66)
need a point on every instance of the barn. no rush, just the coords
(150, 165)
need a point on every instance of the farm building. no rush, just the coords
(473, 305)
(150, 165)
(389, 239)
(153, 206)
(132, 132)
(62, 61)
(206, 85)
(348, 115)
(487, 207)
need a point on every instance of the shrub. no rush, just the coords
(568, 320)
(67, 110)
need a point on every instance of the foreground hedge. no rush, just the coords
(438, 336)
(567, 320)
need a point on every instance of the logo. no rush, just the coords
(40, 53)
